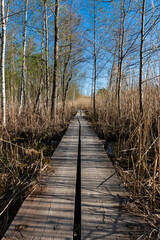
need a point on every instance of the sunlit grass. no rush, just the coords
(136, 137)
(26, 146)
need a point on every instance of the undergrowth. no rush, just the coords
(136, 146)
(26, 145)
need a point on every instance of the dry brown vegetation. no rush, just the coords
(83, 102)
(26, 145)
(135, 141)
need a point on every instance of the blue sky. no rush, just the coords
(86, 12)
(107, 21)
(105, 14)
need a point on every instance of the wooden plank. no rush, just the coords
(102, 194)
(48, 213)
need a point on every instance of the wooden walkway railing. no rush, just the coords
(92, 185)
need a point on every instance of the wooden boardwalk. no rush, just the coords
(48, 213)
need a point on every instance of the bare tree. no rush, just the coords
(121, 54)
(68, 48)
(3, 52)
(41, 82)
(56, 53)
(46, 52)
(23, 81)
(141, 58)
(113, 67)
(95, 63)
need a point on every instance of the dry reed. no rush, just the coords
(137, 141)
(26, 144)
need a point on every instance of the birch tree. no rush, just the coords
(46, 51)
(55, 70)
(23, 80)
(3, 51)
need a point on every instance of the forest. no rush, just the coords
(101, 56)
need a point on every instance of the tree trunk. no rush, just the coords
(119, 87)
(65, 82)
(65, 96)
(41, 82)
(120, 60)
(55, 70)
(92, 91)
(73, 98)
(46, 52)
(95, 65)
(3, 51)
(113, 65)
(23, 81)
(141, 59)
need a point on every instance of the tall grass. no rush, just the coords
(83, 102)
(26, 145)
(137, 138)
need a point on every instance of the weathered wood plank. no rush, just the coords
(49, 212)
(102, 194)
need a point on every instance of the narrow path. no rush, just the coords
(49, 213)
(102, 194)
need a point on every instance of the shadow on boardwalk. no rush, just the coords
(48, 213)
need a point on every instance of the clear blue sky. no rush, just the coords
(105, 20)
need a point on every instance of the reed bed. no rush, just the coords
(136, 146)
(26, 145)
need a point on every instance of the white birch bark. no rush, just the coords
(3, 51)
(46, 52)
(23, 81)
